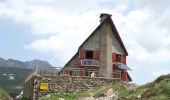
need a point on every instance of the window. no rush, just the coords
(89, 54)
(118, 57)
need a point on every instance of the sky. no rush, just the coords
(52, 30)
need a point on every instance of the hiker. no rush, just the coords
(93, 74)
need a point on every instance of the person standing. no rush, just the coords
(93, 74)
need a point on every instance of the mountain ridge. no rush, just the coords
(24, 65)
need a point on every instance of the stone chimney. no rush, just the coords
(106, 64)
(103, 16)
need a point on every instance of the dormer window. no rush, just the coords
(89, 54)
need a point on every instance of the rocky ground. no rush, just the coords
(156, 90)
(105, 92)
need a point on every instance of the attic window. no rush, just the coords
(89, 54)
(118, 57)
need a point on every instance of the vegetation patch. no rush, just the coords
(4, 95)
(13, 87)
(57, 96)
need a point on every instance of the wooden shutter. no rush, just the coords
(96, 54)
(123, 59)
(124, 75)
(82, 54)
(113, 57)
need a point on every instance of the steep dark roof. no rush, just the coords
(105, 14)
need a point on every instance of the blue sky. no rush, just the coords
(49, 29)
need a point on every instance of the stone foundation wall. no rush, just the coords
(66, 84)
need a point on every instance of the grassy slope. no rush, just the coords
(12, 87)
(157, 90)
(4, 96)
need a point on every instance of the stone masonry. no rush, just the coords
(62, 84)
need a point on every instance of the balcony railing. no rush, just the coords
(78, 72)
(87, 72)
(89, 62)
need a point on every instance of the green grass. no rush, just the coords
(4, 95)
(72, 96)
(157, 90)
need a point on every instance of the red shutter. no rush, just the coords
(124, 75)
(96, 55)
(113, 57)
(123, 59)
(82, 54)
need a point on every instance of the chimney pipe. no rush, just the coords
(103, 16)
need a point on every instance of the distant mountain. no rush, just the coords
(39, 63)
(1, 59)
(24, 65)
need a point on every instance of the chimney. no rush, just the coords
(103, 16)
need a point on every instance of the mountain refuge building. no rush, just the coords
(102, 53)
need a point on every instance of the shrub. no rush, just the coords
(167, 89)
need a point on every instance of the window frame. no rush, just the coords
(118, 58)
(90, 52)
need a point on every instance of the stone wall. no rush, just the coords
(64, 84)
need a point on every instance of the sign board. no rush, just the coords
(43, 86)
(89, 62)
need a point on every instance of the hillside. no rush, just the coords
(12, 79)
(156, 90)
(13, 73)
(36, 62)
(24, 65)
(4, 96)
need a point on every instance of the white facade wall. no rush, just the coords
(115, 43)
(73, 62)
(93, 43)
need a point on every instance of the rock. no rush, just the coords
(139, 96)
(61, 99)
(109, 92)
(48, 96)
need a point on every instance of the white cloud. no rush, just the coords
(52, 16)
